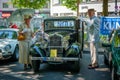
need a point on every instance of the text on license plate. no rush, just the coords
(53, 53)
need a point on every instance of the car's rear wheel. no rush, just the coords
(15, 56)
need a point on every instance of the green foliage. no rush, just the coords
(104, 38)
(32, 4)
(72, 4)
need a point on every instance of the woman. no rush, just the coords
(24, 45)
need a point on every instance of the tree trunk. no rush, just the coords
(105, 7)
(78, 3)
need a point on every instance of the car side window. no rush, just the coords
(14, 35)
(11, 35)
(1, 35)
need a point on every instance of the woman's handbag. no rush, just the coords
(21, 37)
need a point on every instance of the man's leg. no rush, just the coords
(94, 54)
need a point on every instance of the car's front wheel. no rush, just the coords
(35, 63)
(76, 65)
(15, 56)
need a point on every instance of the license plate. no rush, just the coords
(53, 53)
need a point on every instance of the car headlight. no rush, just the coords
(7, 47)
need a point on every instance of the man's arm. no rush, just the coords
(96, 23)
(88, 23)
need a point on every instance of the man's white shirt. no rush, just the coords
(92, 28)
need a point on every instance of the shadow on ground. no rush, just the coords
(56, 72)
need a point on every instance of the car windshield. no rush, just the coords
(60, 24)
(8, 34)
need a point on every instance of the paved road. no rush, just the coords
(14, 71)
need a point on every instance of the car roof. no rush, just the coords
(10, 29)
(58, 18)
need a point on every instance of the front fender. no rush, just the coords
(73, 50)
(35, 50)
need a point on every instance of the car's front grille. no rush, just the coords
(56, 42)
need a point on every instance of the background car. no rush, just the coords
(112, 55)
(9, 44)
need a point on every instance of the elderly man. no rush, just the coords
(93, 37)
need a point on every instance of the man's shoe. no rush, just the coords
(92, 67)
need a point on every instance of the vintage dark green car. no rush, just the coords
(112, 55)
(63, 45)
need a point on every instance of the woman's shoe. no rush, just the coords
(30, 66)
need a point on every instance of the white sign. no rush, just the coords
(63, 23)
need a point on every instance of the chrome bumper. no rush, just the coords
(5, 56)
(55, 59)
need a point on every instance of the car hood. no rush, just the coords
(4, 42)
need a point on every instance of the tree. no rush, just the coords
(32, 4)
(72, 4)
